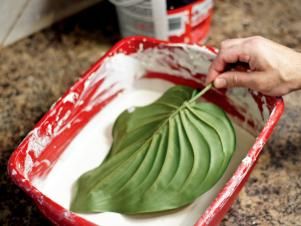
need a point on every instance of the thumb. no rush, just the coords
(237, 79)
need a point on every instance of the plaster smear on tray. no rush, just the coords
(71, 97)
(36, 145)
(118, 73)
(180, 60)
(122, 71)
(242, 98)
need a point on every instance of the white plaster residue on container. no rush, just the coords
(119, 73)
(181, 60)
(36, 145)
(71, 97)
(242, 98)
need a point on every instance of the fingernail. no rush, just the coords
(220, 83)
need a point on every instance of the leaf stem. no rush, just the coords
(201, 93)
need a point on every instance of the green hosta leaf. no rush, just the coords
(163, 156)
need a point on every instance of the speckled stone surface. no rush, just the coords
(37, 70)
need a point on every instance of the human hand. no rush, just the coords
(273, 69)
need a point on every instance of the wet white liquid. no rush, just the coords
(91, 145)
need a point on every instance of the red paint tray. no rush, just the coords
(46, 145)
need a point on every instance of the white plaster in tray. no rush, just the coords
(91, 145)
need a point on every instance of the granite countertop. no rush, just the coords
(37, 70)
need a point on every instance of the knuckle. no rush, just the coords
(220, 56)
(225, 44)
(244, 58)
(255, 40)
(281, 91)
(233, 80)
(263, 86)
(263, 89)
(257, 37)
(255, 84)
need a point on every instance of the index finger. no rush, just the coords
(226, 56)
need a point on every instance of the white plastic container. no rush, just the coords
(176, 21)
